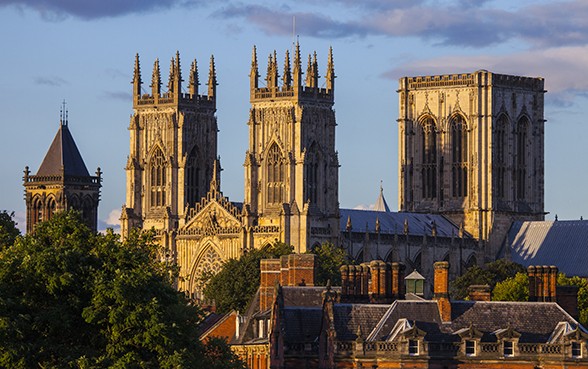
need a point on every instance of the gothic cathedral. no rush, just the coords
(291, 166)
(471, 148)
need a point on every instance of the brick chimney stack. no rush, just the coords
(479, 292)
(542, 283)
(441, 290)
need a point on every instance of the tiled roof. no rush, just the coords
(305, 296)
(349, 317)
(302, 324)
(393, 222)
(563, 243)
(63, 155)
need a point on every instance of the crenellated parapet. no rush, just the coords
(174, 96)
(478, 78)
(291, 84)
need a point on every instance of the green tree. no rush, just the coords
(329, 259)
(582, 285)
(8, 230)
(490, 273)
(512, 289)
(233, 287)
(72, 298)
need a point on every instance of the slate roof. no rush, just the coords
(536, 321)
(302, 324)
(63, 155)
(393, 222)
(563, 243)
(305, 296)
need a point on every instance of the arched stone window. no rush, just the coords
(429, 159)
(88, 210)
(311, 179)
(520, 165)
(459, 155)
(500, 151)
(157, 179)
(209, 264)
(194, 174)
(37, 215)
(275, 175)
(51, 205)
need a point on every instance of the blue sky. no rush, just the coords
(83, 52)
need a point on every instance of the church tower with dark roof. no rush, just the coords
(62, 182)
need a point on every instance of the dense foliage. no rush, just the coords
(491, 273)
(512, 289)
(329, 259)
(582, 285)
(8, 230)
(70, 298)
(233, 287)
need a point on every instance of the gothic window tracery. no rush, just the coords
(459, 153)
(193, 175)
(51, 205)
(210, 263)
(157, 179)
(429, 159)
(275, 175)
(500, 155)
(312, 174)
(520, 174)
(37, 211)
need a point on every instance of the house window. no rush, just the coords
(508, 348)
(576, 349)
(261, 329)
(413, 347)
(470, 348)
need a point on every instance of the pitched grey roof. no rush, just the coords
(381, 204)
(302, 324)
(393, 222)
(63, 157)
(536, 321)
(305, 296)
(563, 243)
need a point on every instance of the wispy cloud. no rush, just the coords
(460, 23)
(52, 81)
(112, 221)
(560, 66)
(93, 9)
(117, 95)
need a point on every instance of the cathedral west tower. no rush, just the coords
(173, 147)
(291, 166)
(471, 148)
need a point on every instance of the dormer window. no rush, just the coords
(576, 350)
(413, 347)
(470, 348)
(508, 348)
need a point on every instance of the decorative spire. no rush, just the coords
(309, 76)
(315, 74)
(287, 78)
(461, 230)
(434, 229)
(378, 227)
(212, 78)
(272, 71)
(254, 74)
(156, 80)
(172, 75)
(194, 81)
(137, 77)
(406, 230)
(348, 227)
(297, 66)
(330, 71)
(63, 114)
(215, 180)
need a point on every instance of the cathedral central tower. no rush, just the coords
(291, 166)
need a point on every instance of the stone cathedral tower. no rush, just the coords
(471, 148)
(173, 147)
(291, 166)
(62, 182)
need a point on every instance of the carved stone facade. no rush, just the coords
(291, 167)
(471, 148)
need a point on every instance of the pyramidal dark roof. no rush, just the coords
(63, 156)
